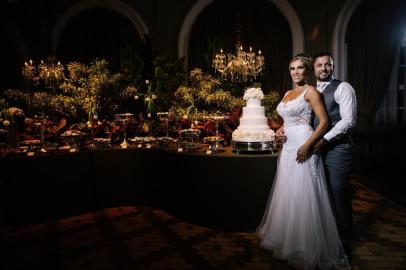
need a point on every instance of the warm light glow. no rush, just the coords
(240, 67)
(50, 72)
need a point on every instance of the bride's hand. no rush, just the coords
(303, 153)
(280, 135)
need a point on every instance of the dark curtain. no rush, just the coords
(373, 39)
(262, 26)
(12, 60)
(98, 33)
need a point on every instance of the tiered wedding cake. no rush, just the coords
(253, 128)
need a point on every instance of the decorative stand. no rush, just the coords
(124, 119)
(214, 141)
(164, 117)
(189, 139)
(40, 122)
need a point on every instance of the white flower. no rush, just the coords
(154, 97)
(147, 99)
(146, 81)
(253, 93)
(136, 97)
(149, 115)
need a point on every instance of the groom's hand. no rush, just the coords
(319, 145)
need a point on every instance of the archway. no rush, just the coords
(283, 5)
(81, 6)
(339, 48)
(91, 34)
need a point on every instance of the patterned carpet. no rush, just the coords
(144, 238)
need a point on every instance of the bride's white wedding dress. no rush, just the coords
(299, 225)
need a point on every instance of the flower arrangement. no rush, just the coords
(149, 98)
(8, 119)
(253, 92)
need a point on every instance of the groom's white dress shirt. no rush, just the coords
(346, 99)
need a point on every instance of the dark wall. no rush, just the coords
(34, 21)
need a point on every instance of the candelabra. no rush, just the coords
(50, 73)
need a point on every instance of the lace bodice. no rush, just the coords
(295, 112)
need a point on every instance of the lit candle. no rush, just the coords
(259, 52)
(250, 49)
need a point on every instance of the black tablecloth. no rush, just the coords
(223, 191)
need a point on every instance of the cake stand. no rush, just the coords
(266, 146)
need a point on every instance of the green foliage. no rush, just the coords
(93, 87)
(85, 90)
(164, 75)
(168, 76)
(204, 95)
(270, 102)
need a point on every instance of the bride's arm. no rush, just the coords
(315, 100)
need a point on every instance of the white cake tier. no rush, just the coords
(253, 128)
(253, 111)
(253, 102)
(244, 135)
(253, 121)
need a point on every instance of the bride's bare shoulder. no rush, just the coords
(287, 93)
(312, 92)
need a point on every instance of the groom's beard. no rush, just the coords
(323, 78)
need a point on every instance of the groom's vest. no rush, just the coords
(332, 107)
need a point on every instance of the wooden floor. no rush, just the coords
(144, 238)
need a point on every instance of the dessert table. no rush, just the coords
(224, 191)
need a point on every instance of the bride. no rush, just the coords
(298, 224)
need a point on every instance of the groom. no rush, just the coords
(336, 145)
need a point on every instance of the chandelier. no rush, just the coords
(241, 66)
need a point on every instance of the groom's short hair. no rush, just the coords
(321, 54)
